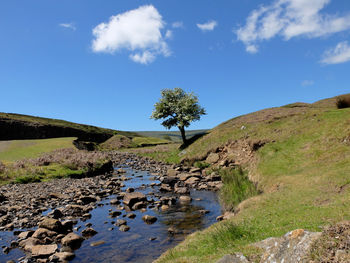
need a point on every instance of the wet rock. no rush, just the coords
(149, 219)
(51, 224)
(203, 212)
(131, 215)
(132, 198)
(114, 202)
(115, 213)
(72, 240)
(56, 214)
(164, 207)
(6, 250)
(41, 233)
(62, 257)
(165, 188)
(120, 222)
(185, 199)
(130, 190)
(25, 234)
(124, 228)
(139, 205)
(192, 180)
(181, 190)
(44, 250)
(89, 232)
(97, 243)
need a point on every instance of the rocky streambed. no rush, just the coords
(132, 215)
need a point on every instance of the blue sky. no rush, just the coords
(105, 62)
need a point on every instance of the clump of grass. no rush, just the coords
(237, 187)
(201, 164)
(25, 179)
(343, 102)
(2, 167)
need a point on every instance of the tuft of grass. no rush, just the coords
(201, 164)
(343, 101)
(236, 187)
(20, 149)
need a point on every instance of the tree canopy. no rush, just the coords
(177, 108)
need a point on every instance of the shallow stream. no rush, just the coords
(143, 242)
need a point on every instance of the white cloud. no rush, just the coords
(307, 83)
(177, 24)
(138, 31)
(68, 25)
(288, 19)
(339, 54)
(169, 34)
(209, 26)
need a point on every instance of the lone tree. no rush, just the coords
(178, 108)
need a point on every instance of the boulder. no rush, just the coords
(41, 233)
(62, 257)
(29, 243)
(212, 158)
(88, 232)
(132, 198)
(124, 228)
(149, 219)
(290, 248)
(51, 224)
(72, 240)
(185, 199)
(44, 250)
(192, 180)
(25, 234)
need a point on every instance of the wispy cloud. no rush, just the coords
(307, 83)
(177, 24)
(209, 26)
(339, 54)
(138, 31)
(289, 19)
(68, 26)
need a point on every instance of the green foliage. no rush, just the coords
(201, 165)
(178, 108)
(237, 187)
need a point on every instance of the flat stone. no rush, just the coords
(72, 240)
(132, 198)
(97, 243)
(44, 250)
(62, 256)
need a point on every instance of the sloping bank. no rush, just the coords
(298, 156)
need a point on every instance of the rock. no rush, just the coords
(139, 205)
(115, 213)
(220, 218)
(44, 250)
(290, 248)
(181, 190)
(171, 172)
(130, 190)
(192, 180)
(132, 198)
(97, 243)
(56, 214)
(236, 258)
(184, 177)
(212, 158)
(62, 257)
(185, 199)
(120, 222)
(149, 219)
(124, 228)
(6, 250)
(51, 224)
(28, 243)
(89, 232)
(203, 212)
(41, 233)
(72, 240)
(114, 202)
(2, 198)
(131, 215)
(25, 234)
(165, 188)
(164, 207)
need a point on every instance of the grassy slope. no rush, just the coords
(19, 149)
(304, 176)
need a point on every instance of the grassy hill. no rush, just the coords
(18, 127)
(174, 136)
(301, 167)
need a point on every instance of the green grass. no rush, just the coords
(303, 172)
(148, 141)
(35, 174)
(20, 149)
(237, 187)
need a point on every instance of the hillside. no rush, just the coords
(297, 155)
(19, 127)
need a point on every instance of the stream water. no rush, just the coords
(143, 242)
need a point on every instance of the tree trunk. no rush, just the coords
(183, 135)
